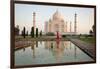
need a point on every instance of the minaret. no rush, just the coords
(70, 26)
(66, 27)
(46, 26)
(75, 26)
(34, 14)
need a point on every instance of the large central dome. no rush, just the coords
(57, 15)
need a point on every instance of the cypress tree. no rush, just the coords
(36, 32)
(24, 32)
(32, 32)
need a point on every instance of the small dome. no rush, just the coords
(58, 16)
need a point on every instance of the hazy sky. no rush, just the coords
(24, 12)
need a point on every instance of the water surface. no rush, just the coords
(48, 52)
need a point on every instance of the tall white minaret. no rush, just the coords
(70, 26)
(75, 26)
(66, 27)
(34, 15)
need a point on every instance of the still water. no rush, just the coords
(48, 52)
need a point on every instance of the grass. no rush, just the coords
(88, 39)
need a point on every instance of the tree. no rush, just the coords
(50, 34)
(32, 32)
(90, 32)
(17, 30)
(41, 33)
(36, 32)
(23, 32)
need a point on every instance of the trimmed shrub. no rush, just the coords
(32, 32)
(36, 32)
(50, 34)
(63, 36)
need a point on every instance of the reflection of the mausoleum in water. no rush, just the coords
(58, 48)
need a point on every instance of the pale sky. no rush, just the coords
(24, 12)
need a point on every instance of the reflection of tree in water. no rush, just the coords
(51, 45)
(24, 49)
(33, 48)
(36, 43)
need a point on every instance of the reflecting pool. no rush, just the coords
(48, 52)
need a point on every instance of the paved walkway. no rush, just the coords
(86, 47)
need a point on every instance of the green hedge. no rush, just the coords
(50, 34)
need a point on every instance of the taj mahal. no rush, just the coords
(57, 23)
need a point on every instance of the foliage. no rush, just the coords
(63, 36)
(36, 32)
(23, 32)
(17, 30)
(90, 32)
(32, 32)
(41, 33)
(50, 34)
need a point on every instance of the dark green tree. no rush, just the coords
(32, 32)
(36, 43)
(17, 30)
(36, 32)
(23, 32)
(50, 34)
(41, 33)
(90, 32)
